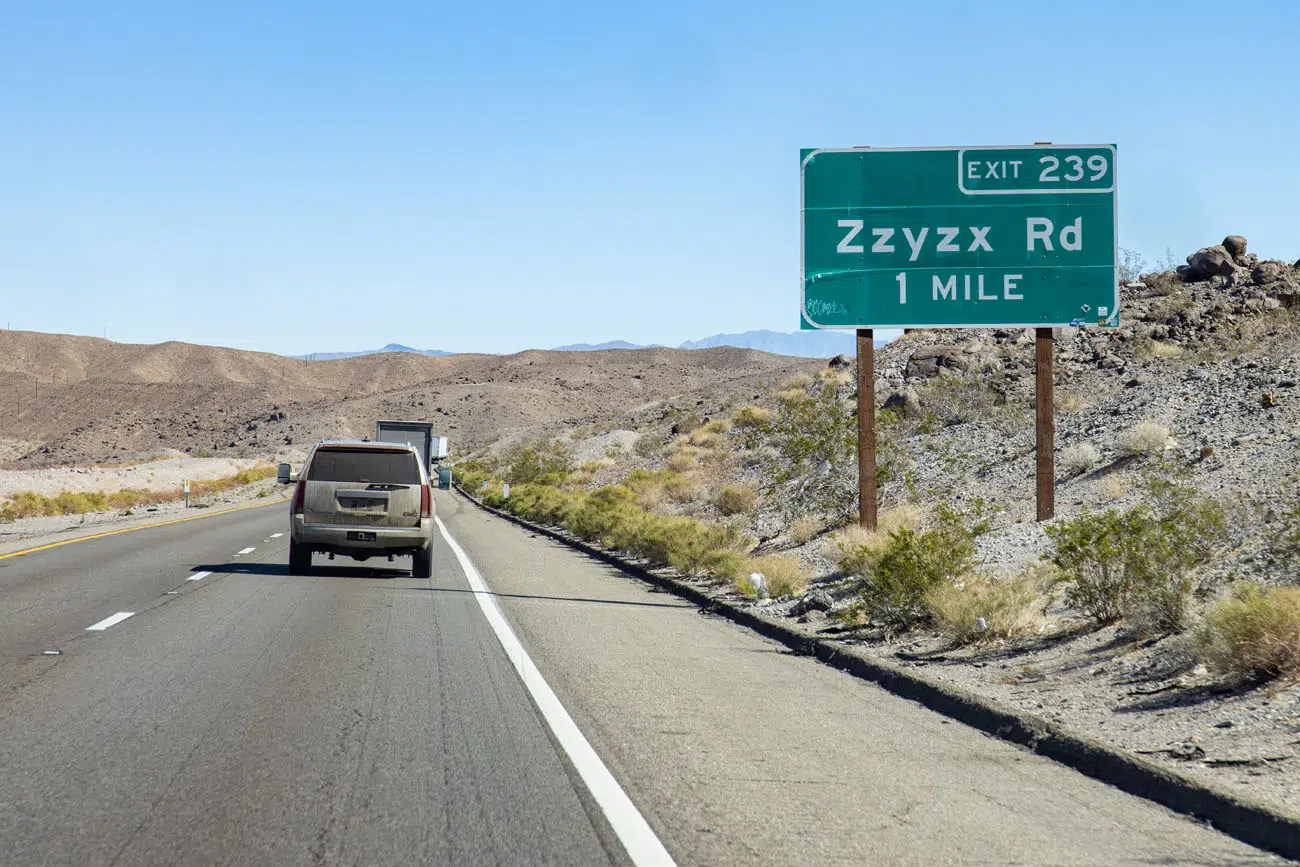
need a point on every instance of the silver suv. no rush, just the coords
(362, 500)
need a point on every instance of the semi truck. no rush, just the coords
(433, 448)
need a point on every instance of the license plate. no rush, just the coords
(360, 536)
(364, 504)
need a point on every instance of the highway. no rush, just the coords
(225, 712)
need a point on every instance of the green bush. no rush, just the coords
(1255, 632)
(530, 464)
(1139, 563)
(899, 575)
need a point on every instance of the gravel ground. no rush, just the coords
(165, 474)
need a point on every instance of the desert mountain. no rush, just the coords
(67, 399)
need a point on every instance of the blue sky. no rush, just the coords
(317, 176)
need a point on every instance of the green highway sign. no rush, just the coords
(975, 237)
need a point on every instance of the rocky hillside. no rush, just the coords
(1178, 476)
(85, 400)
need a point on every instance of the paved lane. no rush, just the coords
(355, 717)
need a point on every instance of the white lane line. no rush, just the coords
(110, 621)
(198, 576)
(245, 551)
(276, 535)
(634, 832)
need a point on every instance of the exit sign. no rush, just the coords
(974, 237)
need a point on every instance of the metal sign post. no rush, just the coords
(959, 237)
(1045, 422)
(867, 428)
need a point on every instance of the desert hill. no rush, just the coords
(67, 399)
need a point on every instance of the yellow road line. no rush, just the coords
(141, 527)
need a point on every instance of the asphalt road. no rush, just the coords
(240, 715)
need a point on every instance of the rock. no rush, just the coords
(1268, 272)
(839, 362)
(1235, 245)
(1209, 262)
(904, 402)
(926, 361)
(1187, 752)
(813, 600)
(1244, 438)
(813, 616)
(1110, 362)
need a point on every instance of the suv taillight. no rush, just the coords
(426, 502)
(299, 497)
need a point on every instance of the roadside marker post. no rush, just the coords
(187, 493)
(1020, 236)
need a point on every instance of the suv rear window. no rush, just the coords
(373, 466)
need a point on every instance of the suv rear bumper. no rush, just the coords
(333, 538)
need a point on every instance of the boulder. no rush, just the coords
(926, 361)
(904, 402)
(1208, 262)
(839, 362)
(1268, 272)
(813, 600)
(1236, 246)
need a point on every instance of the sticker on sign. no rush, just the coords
(958, 237)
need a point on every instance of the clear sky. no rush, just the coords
(318, 176)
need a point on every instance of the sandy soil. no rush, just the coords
(165, 474)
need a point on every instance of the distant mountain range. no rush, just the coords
(392, 347)
(802, 344)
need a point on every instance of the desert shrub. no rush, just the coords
(853, 547)
(804, 530)
(1131, 265)
(606, 463)
(1072, 401)
(981, 609)
(836, 378)
(799, 381)
(647, 445)
(718, 426)
(899, 576)
(526, 464)
(783, 575)
(1144, 439)
(705, 438)
(736, 500)
(1113, 487)
(792, 395)
(1139, 563)
(688, 424)
(602, 512)
(544, 504)
(753, 417)
(818, 439)
(1254, 632)
(683, 488)
(682, 462)
(1147, 348)
(954, 400)
(1080, 458)
(715, 550)
(29, 504)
